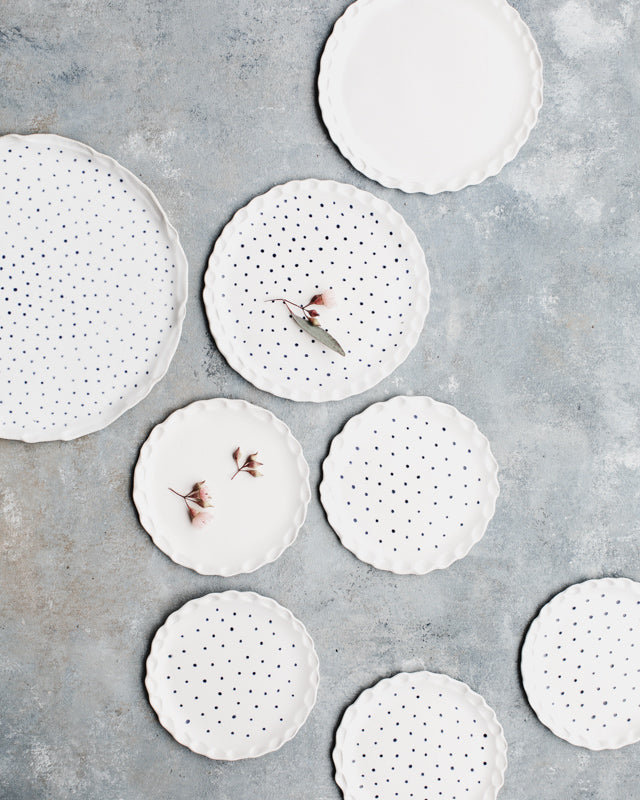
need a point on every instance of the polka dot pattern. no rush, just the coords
(581, 664)
(410, 485)
(92, 289)
(300, 239)
(420, 735)
(232, 675)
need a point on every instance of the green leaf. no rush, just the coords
(320, 334)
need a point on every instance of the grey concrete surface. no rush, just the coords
(534, 332)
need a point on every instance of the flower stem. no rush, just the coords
(287, 304)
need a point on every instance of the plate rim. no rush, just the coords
(167, 721)
(336, 127)
(142, 503)
(181, 295)
(371, 378)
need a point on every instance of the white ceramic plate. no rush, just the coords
(420, 735)
(430, 95)
(93, 289)
(410, 485)
(300, 239)
(253, 518)
(581, 664)
(232, 675)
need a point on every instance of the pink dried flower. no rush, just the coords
(201, 519)
(327, 299)
(197, 499)
(202, 494)
(249, 465)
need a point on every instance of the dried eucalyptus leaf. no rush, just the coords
(324, 337)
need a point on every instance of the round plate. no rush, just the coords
(232, 675)
(409, 485)
(253, 518)
(93, 288)
(430, 96)
(303, 238)
(581, 664)
(419, 735)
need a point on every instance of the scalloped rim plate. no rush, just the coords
(330, 487)
(207, 560)
(357, 383)
(436, 681)
(154, 677)
(331, 83)
(530, 678)
(160, 367)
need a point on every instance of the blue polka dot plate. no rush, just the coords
(302, 240)
(420, 735)
(232, 675)
(410, 485)
(93, 288)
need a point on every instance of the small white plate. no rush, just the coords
(410, 485)
(295, 241)
(232, 675)
(581, 664)
(430, 96)
(253, 518)
(93, 289)
(417, 735)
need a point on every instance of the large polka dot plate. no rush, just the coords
(581, 664)
(301, 239)
(253, 518)
(93, 288)
(410, 485)
(232, 675)
(420, 735)
(430, 95)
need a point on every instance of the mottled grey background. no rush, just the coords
(534, 333)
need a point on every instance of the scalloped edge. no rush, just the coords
(329, 488)
(441, 681)
(158, 370)
(336, 129)
(168, 723)
(143, 505)
(354, 386)
(529, 678)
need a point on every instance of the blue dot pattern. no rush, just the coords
(90, 283)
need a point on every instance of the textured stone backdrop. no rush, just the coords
(534, 333)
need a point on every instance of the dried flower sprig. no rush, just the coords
(196, 501)
(249, 465)
(309, 319)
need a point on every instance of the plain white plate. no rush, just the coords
(93, 289)
(581, 664)
(232, 675)
(299, 239)
(253, 519)
(430, 95)
(410, 485)
(420, 735)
